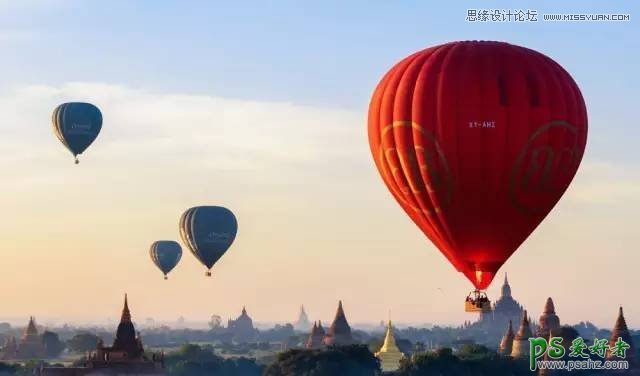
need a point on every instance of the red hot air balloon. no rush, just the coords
(477, 141)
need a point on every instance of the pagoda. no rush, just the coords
(521, 340)
(548, 320)
(30, 345)
(302, 323)
(125, 357)
(314, 341)
(389, 354)
(620, 330)
(506, 344)
(10, 348)
(506, 308)
(242, 328)
(339, 332)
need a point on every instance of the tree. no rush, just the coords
(52, 344)
(194, 360)
(472, 351)
(83, 342)
(215, 322)
(8, 369)
(355, 360)
(471, 360)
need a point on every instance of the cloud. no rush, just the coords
(194, 132)
(606, 183)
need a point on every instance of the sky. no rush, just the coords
(261, 107)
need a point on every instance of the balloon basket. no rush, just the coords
(208, 274)
(77, 161)
(477, 301)
(165, 277)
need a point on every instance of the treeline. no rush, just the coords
(355, 360)
(194, 360)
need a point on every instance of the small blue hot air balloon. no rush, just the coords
(77, 125)
(165, 254)
(208, 231)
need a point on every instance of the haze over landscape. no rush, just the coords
(280, 138)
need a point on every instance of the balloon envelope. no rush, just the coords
(165, 254)
(208, 231)
(477, 141)
(77, 125)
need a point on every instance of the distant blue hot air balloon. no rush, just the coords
(77, 125)
(165, 254)
(208, 231)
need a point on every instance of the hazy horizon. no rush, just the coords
(272, 124)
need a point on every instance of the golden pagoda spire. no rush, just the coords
(126, 315)
(389, 354)
(389, 343)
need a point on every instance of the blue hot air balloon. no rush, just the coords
(165, 254)
(77, 125)
(208, 231)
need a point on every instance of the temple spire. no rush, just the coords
(506, 344)
(389, 343)
(389, 354)
(549, 308)
(548, 320)
(521, 340)
(126, 315)
(506, 289)
(621, 330)
(339, 332)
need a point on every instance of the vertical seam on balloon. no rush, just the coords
(407, 169)
(572, 103)
(393, 184)
(385, 166)
(446, 61)
(423, 212)
(560, 114)
(503, 57)
(387, 128)
(437, 218)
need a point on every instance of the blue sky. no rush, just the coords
(328, 53)
(301, 73)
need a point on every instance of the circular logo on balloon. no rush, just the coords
(417, 173)
(545, 166)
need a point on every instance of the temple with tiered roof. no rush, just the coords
(505, 309)
(29, 347)
(242, 328)
(125, 357)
